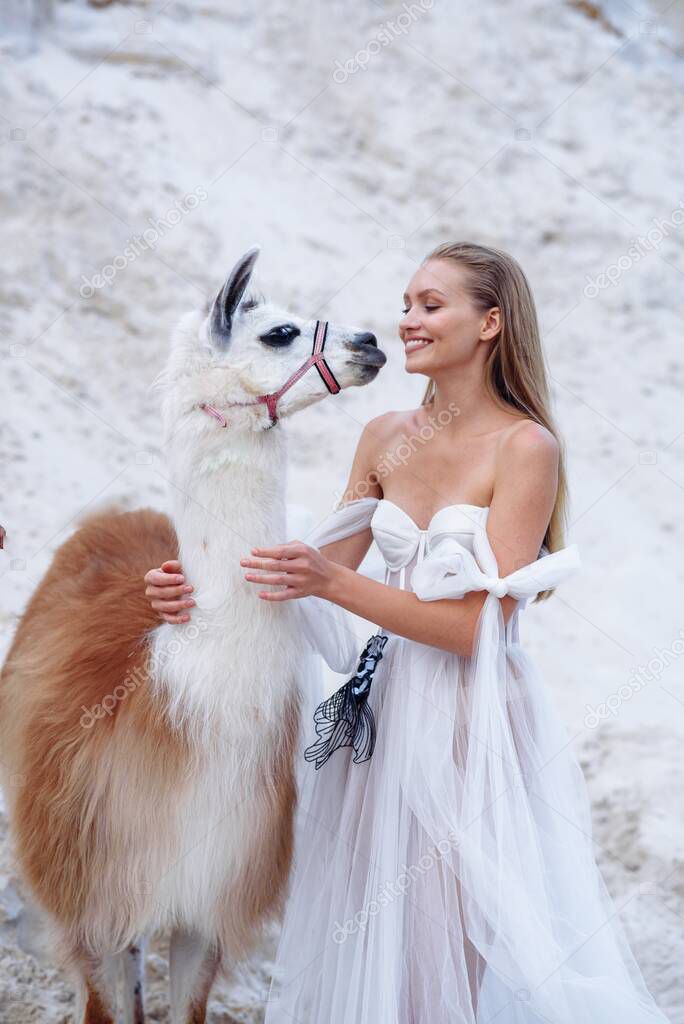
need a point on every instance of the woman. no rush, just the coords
(446, 873)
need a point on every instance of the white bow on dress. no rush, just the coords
(450, 570)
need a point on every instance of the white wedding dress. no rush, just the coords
(450, 878)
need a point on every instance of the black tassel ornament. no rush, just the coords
(345, 719)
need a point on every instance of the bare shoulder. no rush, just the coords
(529, 442)
(377, 435)
(527, 467)
(527, 462)
(383, 428)
(387, 422)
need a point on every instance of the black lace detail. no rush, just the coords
(346, 719)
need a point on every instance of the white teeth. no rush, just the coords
(415, 343)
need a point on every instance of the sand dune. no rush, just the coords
(347, 148)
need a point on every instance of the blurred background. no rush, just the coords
(145, 146)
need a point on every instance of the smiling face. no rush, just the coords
(441, 327)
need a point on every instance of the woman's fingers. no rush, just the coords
(160, 578)
(269, 577)
(166, 593)
(175, 619)
(260, 563)
(278, 595)
(171, 606)
(290, 550)
(287, 564)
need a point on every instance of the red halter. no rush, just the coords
(316, 359)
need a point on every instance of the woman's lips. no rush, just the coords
(413, 344)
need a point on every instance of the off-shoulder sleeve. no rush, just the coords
(344, 521)
(450, 570)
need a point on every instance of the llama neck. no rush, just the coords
(228, 496)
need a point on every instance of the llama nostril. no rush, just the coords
(365, 338)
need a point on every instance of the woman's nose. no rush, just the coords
(409, 322)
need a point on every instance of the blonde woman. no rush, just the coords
(444, 869)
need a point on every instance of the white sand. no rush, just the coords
(531, 126)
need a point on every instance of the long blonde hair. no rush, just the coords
(515, 372)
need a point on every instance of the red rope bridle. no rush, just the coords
(316, 359)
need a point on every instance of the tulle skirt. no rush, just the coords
(450, 879)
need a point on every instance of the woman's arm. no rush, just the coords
(524, 495)
(362, 483)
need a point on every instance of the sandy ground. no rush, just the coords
(552, 130)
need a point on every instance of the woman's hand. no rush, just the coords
(301, 569)
(167, 591)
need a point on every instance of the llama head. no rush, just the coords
(241, 347)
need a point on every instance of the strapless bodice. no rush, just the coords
(403, 544)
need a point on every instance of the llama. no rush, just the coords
(149, 769)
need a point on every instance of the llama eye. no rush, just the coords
(279, 336)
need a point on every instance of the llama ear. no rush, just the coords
(228, 299)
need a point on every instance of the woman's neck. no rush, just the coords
(461, 401)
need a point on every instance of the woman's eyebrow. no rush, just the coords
(425, 291)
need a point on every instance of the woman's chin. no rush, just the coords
(415, 362)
